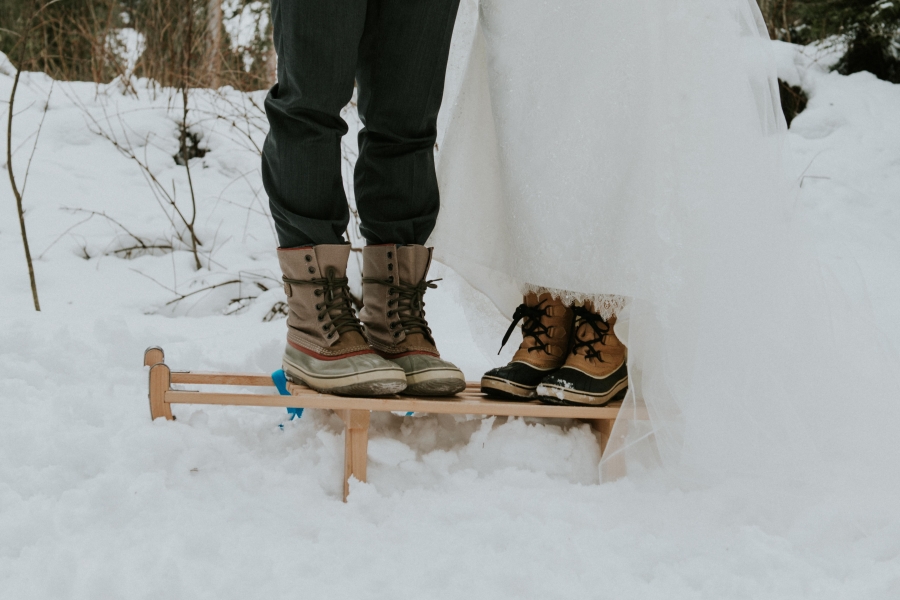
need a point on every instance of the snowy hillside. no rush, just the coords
(98, 502)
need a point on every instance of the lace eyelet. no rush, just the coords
(320, 319)
(326, 327)
(390, 255)
(390, 267)
(391, 279)
(318, 292)
(394, 325)
(308, 258)
(312, 269)
(391, 313)
(397, 334)
(330, 335)
(318, 307)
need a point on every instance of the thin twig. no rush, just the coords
(131, 249)
(36, 138)
(203, 289)
(187, 167)
(16, 193)
(63, 234)
(162, 285)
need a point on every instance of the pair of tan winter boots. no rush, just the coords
(568, 355)
(387, 349)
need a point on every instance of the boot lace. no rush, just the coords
(532, 326)
(598, 325)
(410, 305)
(335, 294)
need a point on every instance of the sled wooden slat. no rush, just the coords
(354, 412)
(444, 406)
(248, 379)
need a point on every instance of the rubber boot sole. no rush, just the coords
(434, 382)
(381, 382)
(507, 390)
(560, 396)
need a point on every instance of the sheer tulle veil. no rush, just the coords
(634, 148)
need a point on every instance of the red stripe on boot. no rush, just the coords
(402, 354)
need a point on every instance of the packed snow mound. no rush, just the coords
(96, 501)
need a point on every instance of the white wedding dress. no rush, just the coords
(629, 151)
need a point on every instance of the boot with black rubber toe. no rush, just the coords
(595, 372)
(326, 348)
(546, 333)
(393, 314)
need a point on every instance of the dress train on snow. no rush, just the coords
(612, 150)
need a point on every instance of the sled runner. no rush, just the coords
(354, 412)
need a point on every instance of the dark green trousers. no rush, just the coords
(396, 51)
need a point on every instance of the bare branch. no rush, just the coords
(110, 219)
(36, 138)
(203, 289)
(16, 193)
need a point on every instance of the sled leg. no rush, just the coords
(356, 445)
(614, 466)
(160, 378)
(602, 429)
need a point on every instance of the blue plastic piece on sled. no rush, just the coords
(280, 381)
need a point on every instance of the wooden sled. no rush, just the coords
(354, 412)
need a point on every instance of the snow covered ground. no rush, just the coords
(98, 502)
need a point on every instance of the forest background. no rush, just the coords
(213, 43)
(173, 46)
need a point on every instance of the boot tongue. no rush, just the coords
(313, 262)
(333, 256)
(413, 263)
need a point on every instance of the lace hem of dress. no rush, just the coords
(606, 305)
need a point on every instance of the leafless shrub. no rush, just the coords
(17, 52)
(187, 44)
(183, 221)
(84, 41)
(776, 13)
(247, 285)
(133, 246)
(279, 310)
(67, 40)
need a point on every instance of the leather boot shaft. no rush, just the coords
(596, 370)
(321, 318)
(393, 311)
(596, 349)
(546, 341)
(546, 331)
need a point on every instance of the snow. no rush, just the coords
(97, 501)
(845, 151)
